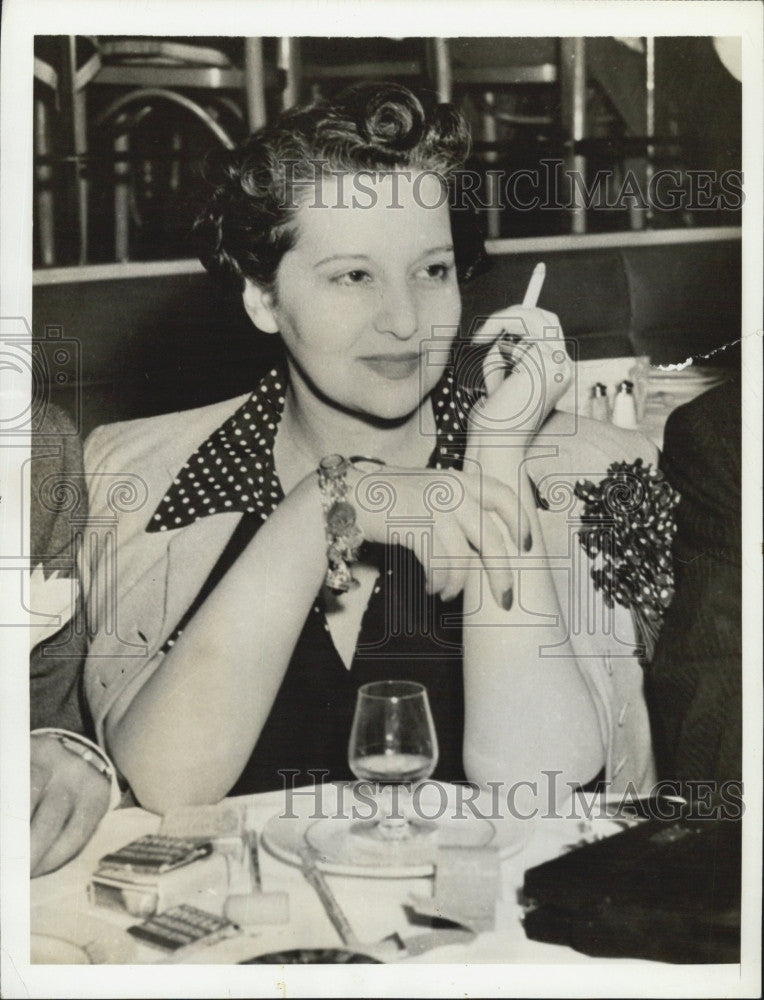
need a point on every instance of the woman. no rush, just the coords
(336, 224)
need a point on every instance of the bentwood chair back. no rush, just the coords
(124, 85)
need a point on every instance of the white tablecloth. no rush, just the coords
(374, 907)
(660, 398)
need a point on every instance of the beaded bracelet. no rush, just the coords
(82, 747)
(83, 751)
(343, 535)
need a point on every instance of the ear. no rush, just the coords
(259, 307)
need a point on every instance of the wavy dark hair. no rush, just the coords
(246, 225)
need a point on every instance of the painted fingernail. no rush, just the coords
(528, 543)
(506, 599)
(541, 502)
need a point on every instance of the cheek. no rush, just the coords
(439, 320)
(320, 327)
(444, 307)
(323, 326)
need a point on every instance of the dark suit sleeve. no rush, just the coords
(58, 508)
(694, 683)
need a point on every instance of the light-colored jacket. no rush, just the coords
(140, 584)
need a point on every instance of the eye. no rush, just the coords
(436, 272)
(349, 278)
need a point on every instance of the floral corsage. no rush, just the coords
(628, 520)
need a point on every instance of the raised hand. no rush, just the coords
(530, 341)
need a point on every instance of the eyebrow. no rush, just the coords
(446, 248)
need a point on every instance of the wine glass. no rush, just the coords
(393, 743)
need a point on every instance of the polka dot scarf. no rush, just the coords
(234, 471)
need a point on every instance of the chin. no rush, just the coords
(392, 402)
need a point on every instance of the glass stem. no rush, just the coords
(394, 802)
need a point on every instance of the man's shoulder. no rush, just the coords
(707, 428)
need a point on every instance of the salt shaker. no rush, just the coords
(599, 402)
(624, 409)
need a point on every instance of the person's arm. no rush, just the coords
(695, 681)
(528, 706)
(58, 508)
(72, 783)
(186, 735)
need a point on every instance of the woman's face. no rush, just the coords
(366, 288)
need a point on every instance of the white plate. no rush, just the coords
(285, 835)
(689, 372)
(48, 950)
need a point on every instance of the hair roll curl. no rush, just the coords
(247, 223)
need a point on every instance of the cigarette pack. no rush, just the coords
(182, 927)
(154, 873)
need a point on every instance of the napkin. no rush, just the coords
(467, 883)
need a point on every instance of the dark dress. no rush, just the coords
(309, 725)
(406, 634)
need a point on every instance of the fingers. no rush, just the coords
(494, 367)
(506, 332)
(489, 520)
(448, 576)
(53, 810)
(75, 832)
(500, 499)
(454, 556)
(68, 799)
(518, 321)
(486, 517)
(501, 579)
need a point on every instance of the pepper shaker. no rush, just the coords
(599, 402)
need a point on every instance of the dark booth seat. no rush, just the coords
(144, 344)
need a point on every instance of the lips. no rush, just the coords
(393, 366)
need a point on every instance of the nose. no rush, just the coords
(397, 311)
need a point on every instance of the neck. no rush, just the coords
(315, 428)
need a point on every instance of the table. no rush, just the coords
(657, 406)
(59, 905)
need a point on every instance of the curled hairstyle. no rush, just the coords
(246, 226)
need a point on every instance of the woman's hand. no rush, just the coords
(516, 406)
(444, 517)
